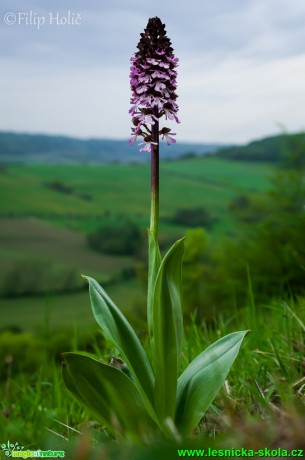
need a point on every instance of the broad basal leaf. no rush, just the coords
(116, 328)
(167, 330)
(200, 382)
(107, 392)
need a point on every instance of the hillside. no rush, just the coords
(24, 148)
(41, 148)
(47, 211)
(84, 196)
(269, 149)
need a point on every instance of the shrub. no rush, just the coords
(195, 217)
(122, 240)
(34, 277)
(58, 186)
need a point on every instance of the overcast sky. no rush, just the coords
(241, 73)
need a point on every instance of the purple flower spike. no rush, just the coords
(153, 83)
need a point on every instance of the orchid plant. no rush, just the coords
(136, 395)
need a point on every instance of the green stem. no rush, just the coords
(154, 210)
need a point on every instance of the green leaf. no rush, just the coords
(116, 328)
(107, 392)
(167, 330)
(154, 262)
(200, 382)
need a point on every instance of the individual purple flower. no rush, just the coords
(147, 147)
(153, 83)
(168, 138)
(135, 133)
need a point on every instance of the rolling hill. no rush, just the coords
(45, 149)
(269, 149)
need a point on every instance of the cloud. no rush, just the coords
(242, 99)
(241, 67)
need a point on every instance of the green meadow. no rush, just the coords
(43, 230)
(46, 214)
(108, 192)
(260, 406)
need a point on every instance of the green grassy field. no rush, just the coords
(109, 192)
(43, 230)
(33, 238)
(262, 403)
(66, 310)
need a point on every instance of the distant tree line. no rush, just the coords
(268, 149)
(267, 258)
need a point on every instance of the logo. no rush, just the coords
(15, 450)
(9, 448)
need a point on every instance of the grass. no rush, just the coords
(45, 229)
(65, 310)
(110, 188)
(262, 401)
(50, 259)
(31, 237)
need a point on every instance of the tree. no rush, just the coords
(124, 239)
(273, 250)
